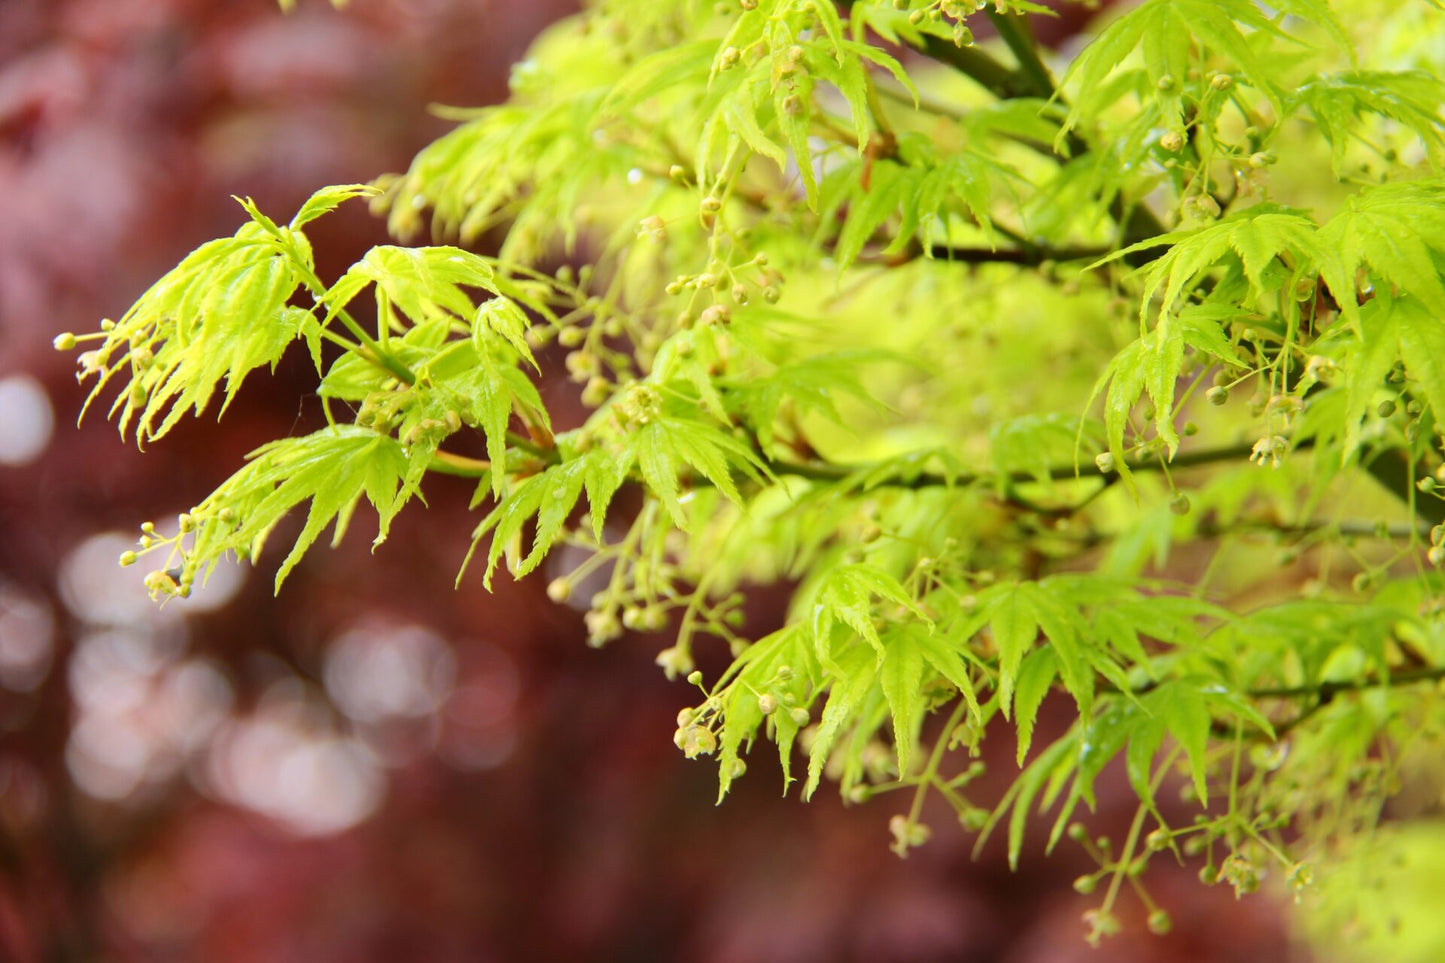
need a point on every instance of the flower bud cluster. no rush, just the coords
(638, 405)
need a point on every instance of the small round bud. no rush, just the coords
(559, 589)
(1172, 141)
(596, 391)
(1158, 839)
(710, 205)
(1078, 832)
(1179, 504)
(973, 820)
(1204, 205)
(767, 704)
(1159, 923)
(694, 677)
(907, 833)
(602, 628)
(1427, 484)
(674, 661)
(717, 314)
(582, 365)
(1105, 462)
(64, 342)
(1166, 82)
(1261, 159)
(799, 716)
(677, 172)
(1217, 395)
(695, 741)
(1209, 876)
(1221, 81)
(1085, 885)
(160, 585)
(128, 558)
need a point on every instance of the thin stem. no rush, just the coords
(374, 352)
(929, 776)
(1121, 867)
(1032, 255)
(548, 455)
(828, 472)
(880, 117)
(447, 463)
(1015, 32)
(1327, 690)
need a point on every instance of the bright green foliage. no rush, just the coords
(868, 308)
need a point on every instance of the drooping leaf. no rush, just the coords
(901, 677)
(332, 469)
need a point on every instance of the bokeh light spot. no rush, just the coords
(26, 420)
(27, 639)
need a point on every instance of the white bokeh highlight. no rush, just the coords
(286, 762)
(376, 671)
(27, 639)
(27, 420)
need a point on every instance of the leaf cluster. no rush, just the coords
(863, 307)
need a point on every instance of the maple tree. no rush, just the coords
(1024, 386)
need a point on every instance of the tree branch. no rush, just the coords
(1137, 222)
(1033, 255)
(827, 471)
(1327, 690)
(1014, 31)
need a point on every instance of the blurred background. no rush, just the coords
(372, 766)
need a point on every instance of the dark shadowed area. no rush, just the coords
(373, 766)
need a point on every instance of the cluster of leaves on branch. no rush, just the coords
(1124, 388)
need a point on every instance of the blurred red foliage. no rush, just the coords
(373, 766)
